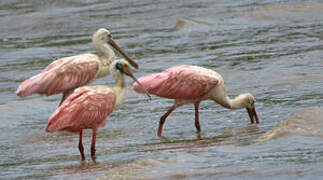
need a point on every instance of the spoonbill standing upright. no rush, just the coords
(193, 84)
(89, 106)
(68, 73)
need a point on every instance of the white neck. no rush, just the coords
(119, 87)
(106, 59)
(236, 103)
(106, 51)
(120, 80)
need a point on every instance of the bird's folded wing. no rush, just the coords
(83, 109)
(59, 79)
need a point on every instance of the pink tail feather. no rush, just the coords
(60, 113)
(33, 85)
(52, 119)
(52, 125)
(150, 82)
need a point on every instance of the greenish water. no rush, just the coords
(272, 49)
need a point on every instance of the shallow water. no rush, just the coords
(272, 49)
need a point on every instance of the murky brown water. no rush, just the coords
(272, 49)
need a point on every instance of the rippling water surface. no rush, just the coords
(272, 49)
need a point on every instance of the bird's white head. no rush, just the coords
(102, 37)
(249, 103)
(122, 66)
(119, 66)
(247, 100)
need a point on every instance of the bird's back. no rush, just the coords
(180, 82)
(87, 108)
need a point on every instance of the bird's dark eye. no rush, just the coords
(110, 36)
(119, 67)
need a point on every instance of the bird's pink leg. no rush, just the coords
(63, 98)
(93, 145)
(197, 122)
(65, 95)
(81, 148)
(163, 118)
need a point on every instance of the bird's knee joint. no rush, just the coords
(162, 119)
(92, 150)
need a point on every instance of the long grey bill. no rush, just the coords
(131, 61)
(129, 73)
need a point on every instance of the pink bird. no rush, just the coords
(89, 106)
(68, 73)
(193, 84)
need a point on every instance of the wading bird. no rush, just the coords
(68, 73)
(88, 107)
(193, 84)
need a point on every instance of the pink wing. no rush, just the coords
(84, 109)
(178, 82)
(65, 76)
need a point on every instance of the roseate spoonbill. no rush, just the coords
(193, 84)
(89, 106)
(68, 73)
